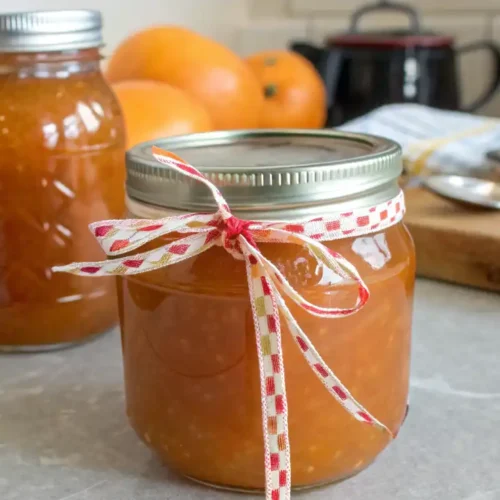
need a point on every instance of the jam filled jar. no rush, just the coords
(191, 364)
(62, 165)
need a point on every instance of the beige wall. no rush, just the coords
(274, 22)
(216, 18)
(251, 25)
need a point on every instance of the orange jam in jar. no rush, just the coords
(62, 159)
(191, 364)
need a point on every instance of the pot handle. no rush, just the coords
(495, 82)
(386, 5)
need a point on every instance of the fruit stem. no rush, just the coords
(270, 90)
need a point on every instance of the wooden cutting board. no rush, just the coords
(454, 243)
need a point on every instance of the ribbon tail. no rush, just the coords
(272, 381)
(180, 166)
(330, 259)
(332, 383)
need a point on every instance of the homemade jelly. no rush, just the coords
(61, 167)
(191, 366)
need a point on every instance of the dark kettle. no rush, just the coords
(365, 70)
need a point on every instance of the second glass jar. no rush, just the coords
(62, 153)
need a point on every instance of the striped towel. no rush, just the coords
(433, 140)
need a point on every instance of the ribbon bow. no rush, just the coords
(266, 284)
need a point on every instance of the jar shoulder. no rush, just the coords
(59, 114)
(378, 257)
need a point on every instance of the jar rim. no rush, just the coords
(50, 30)
(267, 170)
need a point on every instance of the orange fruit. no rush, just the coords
(295, 96)
(205, 69)
(153, 110)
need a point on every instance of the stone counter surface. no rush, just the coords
(64, 434)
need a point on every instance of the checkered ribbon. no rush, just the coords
(267, 287)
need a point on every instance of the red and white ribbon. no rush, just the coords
(266, 284)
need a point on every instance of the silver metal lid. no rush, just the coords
(51, 30)
(261, 171)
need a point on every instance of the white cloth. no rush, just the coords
(433, 139)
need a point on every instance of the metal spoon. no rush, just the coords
(469, 190)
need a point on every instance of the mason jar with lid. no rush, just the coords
(191, 366)
(62, 155)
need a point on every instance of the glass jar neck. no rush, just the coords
(389, 191)
(50, 64)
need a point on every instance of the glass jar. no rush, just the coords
(62, 156)
(191, 366)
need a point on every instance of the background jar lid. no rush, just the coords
(265, 172)
(52, 30)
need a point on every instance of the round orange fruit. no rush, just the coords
(295, 95)
(209, 72)
(153, 110)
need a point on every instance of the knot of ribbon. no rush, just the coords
(267, 287)
(231, 228)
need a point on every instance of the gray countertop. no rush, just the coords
(64, 435)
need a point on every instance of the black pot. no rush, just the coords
(365, 70)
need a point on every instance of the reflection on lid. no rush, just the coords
(276, 151)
